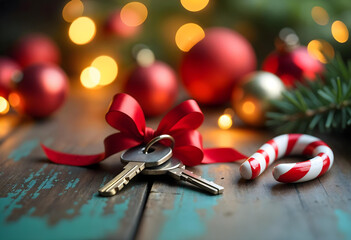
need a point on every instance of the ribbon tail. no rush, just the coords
(221, 155)
(72, 159)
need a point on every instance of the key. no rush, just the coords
(136, 159)
(177, 170)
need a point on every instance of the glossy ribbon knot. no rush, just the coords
(126, 115)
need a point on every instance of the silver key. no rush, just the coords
(136, 160)
(177, 170)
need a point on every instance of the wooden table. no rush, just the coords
(42, 200)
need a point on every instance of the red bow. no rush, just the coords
(126, 115)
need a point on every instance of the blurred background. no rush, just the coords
(259, 21)
(113, 37)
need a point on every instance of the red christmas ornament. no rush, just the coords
(211, 68)
(154, 87)
(115, 26)
(36, 48)
(8, 69)
(41, 91)
(292, 62)
(296, 65)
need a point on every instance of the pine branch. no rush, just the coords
(323, 105)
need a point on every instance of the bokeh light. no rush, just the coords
(82, 30)
(188, 35)
(90, 77)
(194, 5)
(14, 99)
(340, 31)
(248, 107)
(8, 124)
(72, 10)
(4, 106)
(225, 121)
(145, 57)
(321, 50)
(107, 67)
(320, 15)
(289, 37)
(133, 14)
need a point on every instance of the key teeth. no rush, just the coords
(115, 190)
(121, 180)
(123, 185)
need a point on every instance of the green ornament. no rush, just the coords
(252, 96)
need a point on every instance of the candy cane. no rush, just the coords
(290, 144)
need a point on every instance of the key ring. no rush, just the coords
(156, 139)
(290, 144)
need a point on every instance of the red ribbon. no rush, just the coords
(126, 115)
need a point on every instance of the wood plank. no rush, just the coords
(42, 200)
(259, 209)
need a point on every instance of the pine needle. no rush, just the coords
(321, 105)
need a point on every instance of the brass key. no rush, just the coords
(136, 160)
(177, 170)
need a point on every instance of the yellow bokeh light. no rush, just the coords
(320, 15)
(4, 106)
(321, 50)
(82, 30)
(90, 77)
(188, 35)
(72, 10)
(194, 5)
(107, 67)
(8, 124)
(248, 107)
(340, 31)
(134, 14)
(225, 121)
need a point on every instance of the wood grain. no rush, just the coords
(259, 209)
(42, 200)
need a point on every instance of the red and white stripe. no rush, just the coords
(290, 144)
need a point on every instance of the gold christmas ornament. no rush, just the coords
(252, 96)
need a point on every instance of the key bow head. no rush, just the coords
(158, 155)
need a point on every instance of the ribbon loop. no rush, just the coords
(186, 116)
(126, 115)
(118, 142)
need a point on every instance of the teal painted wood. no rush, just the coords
(90, 218)
(42, 200)
(344, 223)
(260, 209)
(24, 150)
(189, 216)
